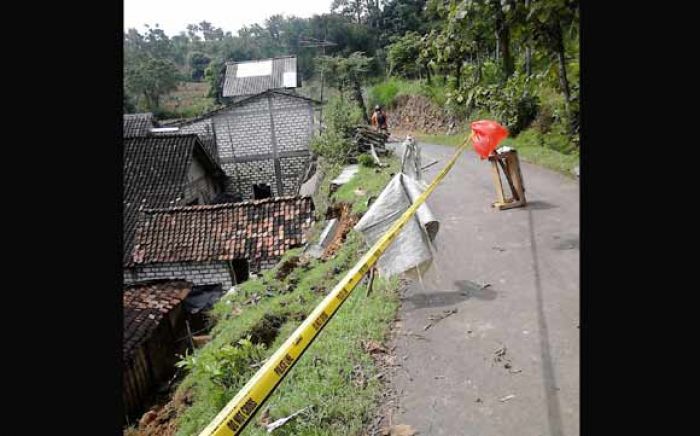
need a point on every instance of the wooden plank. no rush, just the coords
(497, 180)
(510, 205)
(513, 165)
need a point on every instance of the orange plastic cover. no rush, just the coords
(486, 135)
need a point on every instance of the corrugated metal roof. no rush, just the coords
(254, 77)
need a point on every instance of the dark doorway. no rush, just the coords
(261, 191)
(239, 267)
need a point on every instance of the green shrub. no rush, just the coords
(384, 94)
(530, 138)
(514, 104)
(331, 145)
(366, 160)
(557, 140)
(335, 142)
(341, 116)
(227, 366)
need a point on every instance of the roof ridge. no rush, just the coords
(260, 60)
(204, 207)
(175, 136)
(151, 282)
(245, 99)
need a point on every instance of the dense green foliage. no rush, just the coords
(514, 60)
(334, 143)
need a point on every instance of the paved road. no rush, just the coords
(451, 383)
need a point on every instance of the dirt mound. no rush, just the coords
(347, 221)
(161, 420)
(287, 267)
(417, 113)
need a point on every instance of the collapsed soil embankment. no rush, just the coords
(417, 113)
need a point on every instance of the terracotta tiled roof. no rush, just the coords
(155, 175)
(253, 230)
(138, 124)
(205, 131)
(145, 305)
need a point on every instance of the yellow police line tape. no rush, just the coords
(233, 418)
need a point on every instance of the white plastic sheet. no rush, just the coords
(411, 247)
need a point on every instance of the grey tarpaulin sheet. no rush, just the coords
(411, 159)
(411, 247)
(203, 297)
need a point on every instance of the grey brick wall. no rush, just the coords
(245, 130)
(250, 173)
(241, 132)
(292, 170)
(292, 129)
(200, 273)
(200, 185)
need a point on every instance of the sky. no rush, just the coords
(230, 15)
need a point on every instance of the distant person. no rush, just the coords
(379, 120)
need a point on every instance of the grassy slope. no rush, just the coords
(189, 100)
(370, 180)
(325, 376)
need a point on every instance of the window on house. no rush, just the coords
(261, 190)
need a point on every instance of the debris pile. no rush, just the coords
(368, 140)
(365, 138)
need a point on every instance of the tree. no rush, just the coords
(448, 50)
(404, 55)
(157, 43)
(215, 74)
(181, 47)
(499, 9)
(353, 9)
(198, 62)
(150, 77)
(209, 32)
(480, 23)
(348, 73)
(546, 18)
(401, 16)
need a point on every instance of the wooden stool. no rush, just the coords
(509, 160)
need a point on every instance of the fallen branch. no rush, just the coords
(280, 422)
(437, 318)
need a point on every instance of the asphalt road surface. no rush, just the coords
(507, 361)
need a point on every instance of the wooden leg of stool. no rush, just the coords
(515, 174)
(497, 181)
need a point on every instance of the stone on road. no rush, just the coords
(507, 362)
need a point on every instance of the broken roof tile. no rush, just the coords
(145, 305)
